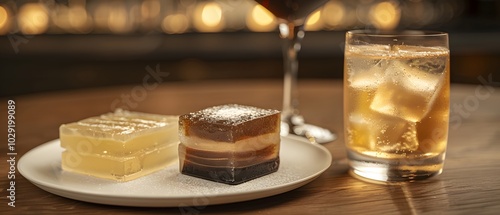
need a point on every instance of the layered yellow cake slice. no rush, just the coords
(231, 144)
(121, 146)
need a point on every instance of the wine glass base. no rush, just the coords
(313, 133)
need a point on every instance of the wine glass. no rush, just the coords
(292, 16)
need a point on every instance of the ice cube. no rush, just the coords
(432, 65)
(359, 132)
(399, 136)
(408, 91)
(382, 133)
(370, 77)
(365, 66)
(428, 59)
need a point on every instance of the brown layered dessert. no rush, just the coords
(229, 143)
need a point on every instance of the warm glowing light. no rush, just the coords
(33, 18)
(149, 14)
(79, 19)
(334, 13)
(314, 22)
(235, 14)
(314, 18)
(211, 14)
(113, 16)
(175, 24)
(260, 19)
(150, 9)
(3, 16)
(422, 13)
(207, 17)
(77, 16)
(4, 20)
(101, 15)
(262, 16)
(60, 17)
(118, 19)
(385, 15)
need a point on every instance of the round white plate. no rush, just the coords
(301, 162)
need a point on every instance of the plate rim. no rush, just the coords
(90, 196)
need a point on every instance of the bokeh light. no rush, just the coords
(175, 24)
(113, 16)
(33, 18)
(4, 20)
(260, 19)
(150, 9)
(334, 14)
(211, 15)
(314, 21)
(79, 19)
(181, 16)
(208, 17)
(101, 16)
(385, 15)
(149, 12)
(118, 21)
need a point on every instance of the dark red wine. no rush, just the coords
(291, 10)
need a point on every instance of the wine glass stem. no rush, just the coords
(291, 36)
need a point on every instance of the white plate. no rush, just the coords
(301, 162)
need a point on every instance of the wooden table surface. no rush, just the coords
(470, 183)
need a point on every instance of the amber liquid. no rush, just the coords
(291, 10)
(396, 109)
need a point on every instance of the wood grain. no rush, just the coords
(469, 184)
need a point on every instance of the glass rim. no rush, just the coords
(397, 33)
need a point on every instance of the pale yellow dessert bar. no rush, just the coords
(124, 168)
(121, 146)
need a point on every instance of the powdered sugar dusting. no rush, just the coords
(232, 114)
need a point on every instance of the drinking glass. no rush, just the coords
(292, 15)
(396, 103)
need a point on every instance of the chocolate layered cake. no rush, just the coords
(229, 143)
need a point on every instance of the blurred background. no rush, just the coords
(51, 45)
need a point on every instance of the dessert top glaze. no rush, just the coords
(229, 123)
(120, 125)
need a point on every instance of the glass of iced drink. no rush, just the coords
(396, 104)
